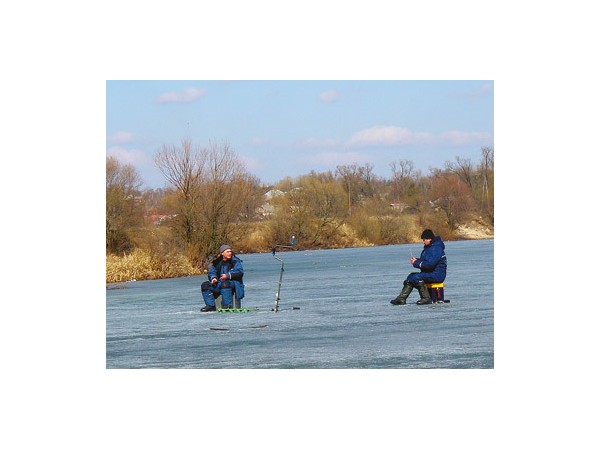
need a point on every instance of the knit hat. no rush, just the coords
(223, 248)
(427, 234)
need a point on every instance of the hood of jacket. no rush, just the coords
(437, 242)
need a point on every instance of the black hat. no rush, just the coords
(427, 234)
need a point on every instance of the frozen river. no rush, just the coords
(334, 313)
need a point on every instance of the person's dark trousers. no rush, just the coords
(210, 293)
(227, 294)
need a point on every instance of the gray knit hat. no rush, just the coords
(223, 248)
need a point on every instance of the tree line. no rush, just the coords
(211, 199)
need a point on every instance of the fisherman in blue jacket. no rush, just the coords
(432, 263)
(226, 278)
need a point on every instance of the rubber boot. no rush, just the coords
(401, 299)
(424, 293)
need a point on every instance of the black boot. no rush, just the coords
(401, 299)
(424, 293)
(208, 308)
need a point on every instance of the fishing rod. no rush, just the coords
(281, 272)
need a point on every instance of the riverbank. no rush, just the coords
(141, 265)
(474, 231)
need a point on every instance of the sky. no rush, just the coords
(289, 128)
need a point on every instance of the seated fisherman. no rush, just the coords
(432, 263)
(225, 278)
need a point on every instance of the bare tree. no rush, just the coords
(451, 196)
(324, 201)
(123, 210)
(183, 167)
(213, 189)
(463, 169)
(226, 189)
(487, 169)
(358, 181)
(255, 198)
(402, 171)
(368, 178)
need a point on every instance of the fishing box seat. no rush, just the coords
(236, 303)
(436, 292)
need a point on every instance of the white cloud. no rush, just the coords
(329, 96)
(121, 137)
(186, 96)
(386, 136)
(133, 157)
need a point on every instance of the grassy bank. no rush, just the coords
(145, 265)
(141, 265)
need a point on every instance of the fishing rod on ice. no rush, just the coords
(291, 246)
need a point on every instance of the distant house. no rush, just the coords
(266, 209)
(157, 219)
(273, 193)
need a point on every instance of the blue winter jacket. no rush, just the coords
(234, 271)
(433, 260)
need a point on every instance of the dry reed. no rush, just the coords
(141, 265)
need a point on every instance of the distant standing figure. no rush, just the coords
(432, 263)
(226, 278)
